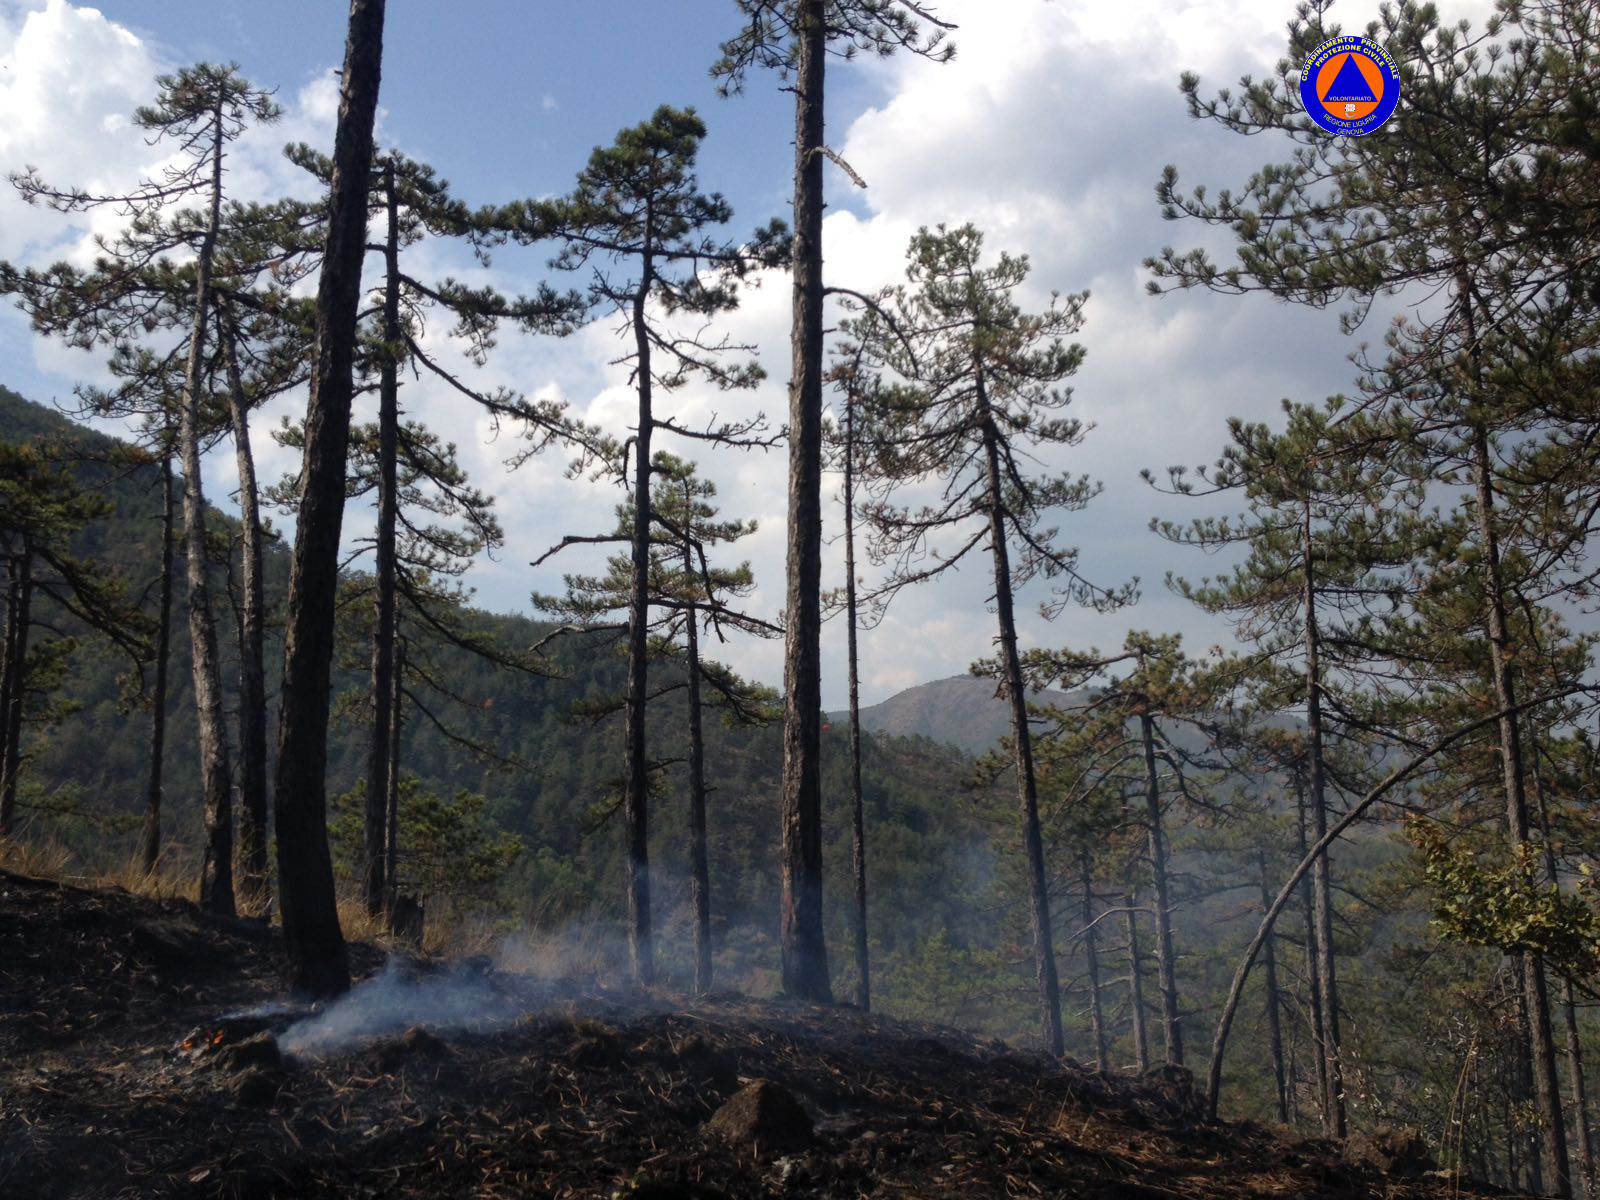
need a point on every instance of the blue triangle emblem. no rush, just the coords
(1349, 85)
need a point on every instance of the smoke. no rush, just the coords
(462, 997)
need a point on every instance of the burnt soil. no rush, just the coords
(125, 1070)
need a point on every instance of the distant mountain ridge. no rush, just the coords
(961, 711)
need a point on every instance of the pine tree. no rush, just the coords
(986, 387)
(795, 38)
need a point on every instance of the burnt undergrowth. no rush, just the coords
(146, 1050)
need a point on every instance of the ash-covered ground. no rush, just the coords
(147, 1051)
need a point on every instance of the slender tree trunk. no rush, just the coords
(700, 879)
(1333, 1112)
(1091, 958)
(391, 780)
(252, 646)
(1547, 1090)
(19, 616)
(636, 764)
(1141, 1040)
(1166, 957)
(1313, 986)
(216, 776)
(318, 964)
(858, 842)
(1569, 1012)
(805, 952)
(381, 687)
(1044, 954)
(1269, 963)
(150, 840)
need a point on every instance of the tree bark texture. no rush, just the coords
(1166, 958)
(804, 949)
(858, 836)
(700, 877)
(318, 964)
(1141, 1040)
(19, 616)
(150, 838)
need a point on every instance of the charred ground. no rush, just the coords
(138, 1058)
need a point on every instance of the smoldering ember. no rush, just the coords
(580, 622)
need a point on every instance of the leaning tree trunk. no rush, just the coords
(1091, 961)
(1166, 958)
(1141, 1040)
(1547, 1089)
(858, 831)
(1313, 988)
(1269, 964)
(700, 877)
(150, 841)
(318, 963)
(252, 647)
(381, 689)
(19, 616)
(805, 953)
(635, 763)
(1044, 954)
(1333, 1110)
(216, 776)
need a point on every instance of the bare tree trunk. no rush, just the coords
(19, 616)
(318, 963)
(1313, 986)
(1044, 954)
(858, 843)
(1141, 1040)
(252, 645)
(1166, 958)
(150, 840)
(381, 687)
(391, 780)
(1091, 958)
(1333, 1112)
(636, 764)
(700, 879)
(1274, 1023)
(805, 953)
(1547, 1090)
(1569, 1013)
(216, 776)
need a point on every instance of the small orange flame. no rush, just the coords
(217, 1038)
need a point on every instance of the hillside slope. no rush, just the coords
(961, 711)
(157, 1058)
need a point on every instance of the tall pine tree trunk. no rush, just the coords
(1044, 953)
(1333, 1112)
(1308, 912)
(1091, 960)
(318, 964)
(216, 776)
(1269, 957)
(252, 645)
(1141, 1040)
(391, 782)
(805, 955)
(1536, 1000)
(700, 877)
(635, 763)
(381, 687)
(19, 617)
(1166, 958)
(150, 839)
(858, 829)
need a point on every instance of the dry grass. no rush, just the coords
(46, 859)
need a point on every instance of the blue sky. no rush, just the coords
(1049, 131)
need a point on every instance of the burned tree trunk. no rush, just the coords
(318, 964)
(1141, 1041)
(380, 694)
(1166, 959)
(19, 615)
(700, 879)
(805, 955)
(1044, 953)
(1274, 1022)
(252, 645)
(1091, 960)
(150, 839)
(391, 784)
(858, 832)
